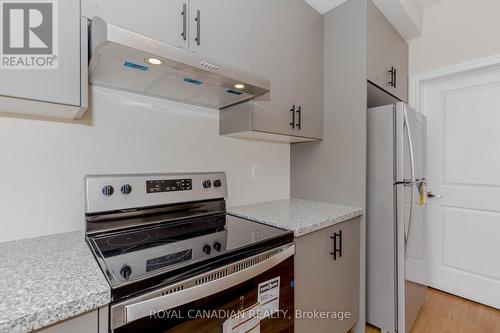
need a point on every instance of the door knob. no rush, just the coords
(432, 195)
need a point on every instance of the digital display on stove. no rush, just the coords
(169, 259)
(168, 185)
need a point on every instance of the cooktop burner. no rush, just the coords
(137, 253)
(128, 239)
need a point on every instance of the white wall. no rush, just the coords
(455, 31)
(43, 162)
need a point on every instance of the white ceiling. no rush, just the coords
(324, 6)
(405, 15)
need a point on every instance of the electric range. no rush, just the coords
(158, 236)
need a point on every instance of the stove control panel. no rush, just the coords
(169, 185)
(106, 193)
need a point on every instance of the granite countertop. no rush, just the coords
(300, 216)
(47, 279)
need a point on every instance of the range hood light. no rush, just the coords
(154, 61)
(239, 86)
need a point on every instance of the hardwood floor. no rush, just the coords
(446, 313)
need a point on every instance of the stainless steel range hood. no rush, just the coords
(120, 59)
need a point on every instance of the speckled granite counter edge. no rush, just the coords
(52, 315)
(304, 230)
(48, 279)
(328, 223)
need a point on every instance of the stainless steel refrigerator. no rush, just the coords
(395, 219)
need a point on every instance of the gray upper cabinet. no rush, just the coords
(387, 62)
(222, 30)
(287, 50)
(58, 90)
(163, 20)
(308, 83)
(274, 58)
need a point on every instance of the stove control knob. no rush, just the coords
(207, 249)
(207, 184)
(217, 183)
(126, 189)
(217, 246)
(125, 272)
(108, 190)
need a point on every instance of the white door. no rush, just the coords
(163, 20)
(222, 30)
(463, 226)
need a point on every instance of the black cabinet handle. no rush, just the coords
(299, 114)
(198, 28)
(395, 77)
(292, 110)
(184, 21)
(337, 245)
(340, 243)
(334, 252)
(392, 71)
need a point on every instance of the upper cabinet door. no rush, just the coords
(222, 30)
(275, 58)
(61, 84)
(387, 62)
(288, 50)
(308, 83)
(163, 20)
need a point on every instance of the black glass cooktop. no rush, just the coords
(158, 253)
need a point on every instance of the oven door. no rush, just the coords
(251, 295)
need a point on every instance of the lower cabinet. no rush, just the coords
(90, 322)
(327, 279)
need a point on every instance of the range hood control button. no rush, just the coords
(217, 246)
(217, 183)
(108, 190)
(207, 184)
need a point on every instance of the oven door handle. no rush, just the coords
(149, 307)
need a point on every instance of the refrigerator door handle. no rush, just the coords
(412, 169)
(410, 143)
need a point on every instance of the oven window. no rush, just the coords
(209, 314)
